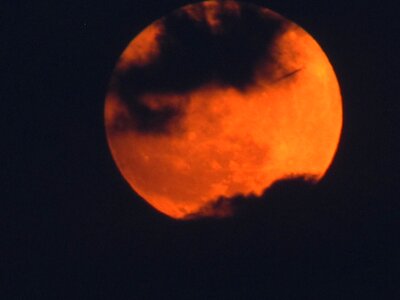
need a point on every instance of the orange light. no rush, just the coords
(230, 141)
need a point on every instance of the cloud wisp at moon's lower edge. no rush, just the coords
(247, 205)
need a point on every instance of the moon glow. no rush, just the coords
(217, 99)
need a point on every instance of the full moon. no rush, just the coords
(219, 99)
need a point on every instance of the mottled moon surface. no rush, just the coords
(219, 99)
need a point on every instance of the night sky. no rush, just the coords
(73, 228)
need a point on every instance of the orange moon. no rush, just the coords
(219, 99)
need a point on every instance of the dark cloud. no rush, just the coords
(193, 54)
(289, 193)
(154, 121)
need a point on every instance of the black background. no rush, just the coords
(73, 228)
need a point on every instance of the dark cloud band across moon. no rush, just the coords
(192, 53)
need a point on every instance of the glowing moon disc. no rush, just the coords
(219, 99)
